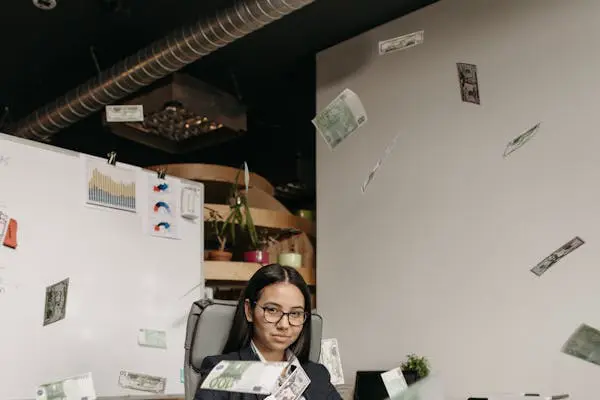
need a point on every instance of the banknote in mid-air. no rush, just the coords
(379, 163)
(557, 255)
(76, 387)
(293, 387)
(394, 382)
(330, 358)
(469, 84)
(341, 118)
(152, 338)
(142, 382)
(584, 343)
(244, 376)
(520, 140)
(401, 43)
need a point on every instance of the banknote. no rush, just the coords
(152, 338)
(293, 387)
(244, 376)
(394, 382)
(429, 388)
(584, 343)
(80, 387)
(341, 118)
(520, 140)
(379, 163)
(142, 382)
(469, 85)
(55, 307)
(330, 358)
(557, 255)
(401, 42)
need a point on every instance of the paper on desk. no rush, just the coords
(330, 358)
(76, 387)
(429, 388)
(394, 382)
(244, 376)
(341, 118)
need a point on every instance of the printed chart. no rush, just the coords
(110, 186)
(162, 213)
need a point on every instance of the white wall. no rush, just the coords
(435, 257)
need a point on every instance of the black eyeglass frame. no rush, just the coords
(283, 314)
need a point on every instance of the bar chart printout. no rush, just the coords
(110, 186)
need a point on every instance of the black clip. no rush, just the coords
(112, 158)
(161, 173)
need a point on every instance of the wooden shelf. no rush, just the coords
(270, 219)
(213, 173)
(242, 271)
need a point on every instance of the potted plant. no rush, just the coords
(239, 213)
(258, 252)
(291, 257)
(219, 229)
(414, 368)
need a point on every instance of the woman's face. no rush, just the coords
(275, 298)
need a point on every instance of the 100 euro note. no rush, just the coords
(341, 118)
(76, 387)
(244, 377)
(142, 382)
(584, 344)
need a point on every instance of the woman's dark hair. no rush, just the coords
(241, 330)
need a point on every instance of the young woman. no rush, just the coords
(272, 322)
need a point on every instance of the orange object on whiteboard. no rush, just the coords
(10, 239)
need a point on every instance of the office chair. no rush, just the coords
(207, 329)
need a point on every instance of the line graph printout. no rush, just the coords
(110, 186)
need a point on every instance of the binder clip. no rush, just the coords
(112, 158)
(161, 173)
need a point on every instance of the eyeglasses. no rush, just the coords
(273, 315)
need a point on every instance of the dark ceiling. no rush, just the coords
(47, 53)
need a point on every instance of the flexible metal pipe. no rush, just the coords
(152, 63)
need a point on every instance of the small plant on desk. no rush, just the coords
(219, 228)
(414, 368)
(258, 252)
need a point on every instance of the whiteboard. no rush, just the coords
(121, 279)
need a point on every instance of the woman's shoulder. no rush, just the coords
(316, 371)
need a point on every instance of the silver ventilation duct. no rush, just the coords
(154, 62)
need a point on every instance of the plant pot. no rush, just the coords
(410, 377)
(257, 256)
(218, 255)
(290, 259)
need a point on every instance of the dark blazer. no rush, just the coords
(320, 387)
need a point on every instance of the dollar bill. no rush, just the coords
(152, 338)
(341, 118)
(429, 388)
(520, 140)
(293, 387)
(584, 343)
(244, 376)
(142, 382)
(379, 163)
(80, 387)
(330, 358)
(469, 84)
(557, 255)
(401, 42)
(394, 382)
